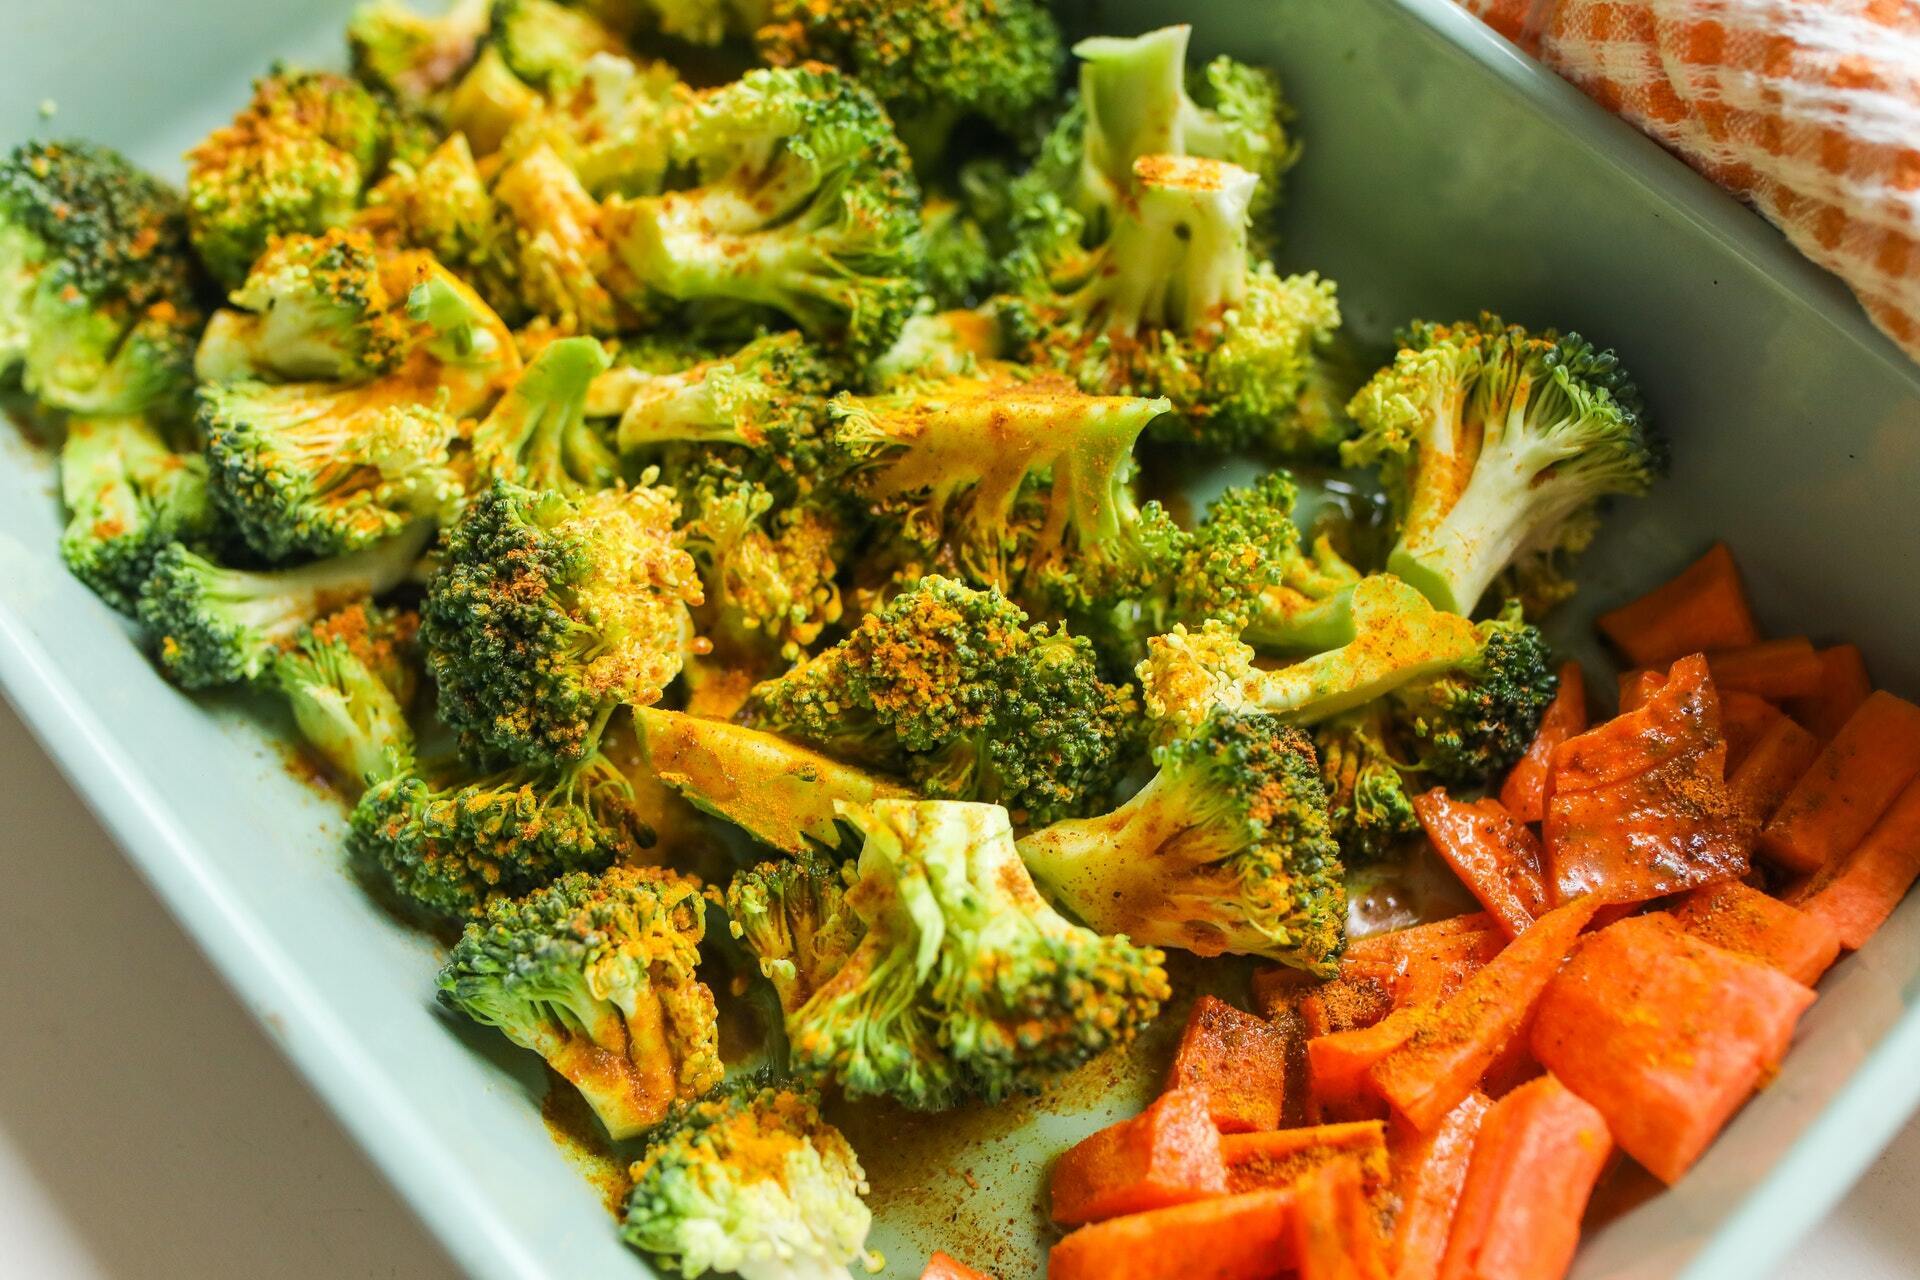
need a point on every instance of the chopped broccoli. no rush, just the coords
(347, 680)
(98, 312)
(953, 688)
(128, 496)
(596, 974)
(549, 613)
(793, 917)
(213, 625)
(489, 102)
(960, 263)
(546, 43)
(1226, 849)
(751, 1181)
(1495, 443)
(768, 571)
(413, 56)
(935, 345)
(538, 435)
(804, 204)
(1367, 800)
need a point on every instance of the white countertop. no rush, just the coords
(149, 1129)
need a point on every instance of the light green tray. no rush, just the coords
(1444, 173)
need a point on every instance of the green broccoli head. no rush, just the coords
(1367, 800)
(128, 496)
(538, 435)
(548, 613)
(596, 974)
(212, 625)
(449, 841)
(1495, 443)
(1226, 849)
(1470, 723)
(768, 398)
(792, 915)
(933, 64)
(347, 680)
(803, 204)
(952, 687)
(768, 571)
(936, 345)
(297, 158)
(414, 56)
(751, 1180)
(546, 43)
(98, 312)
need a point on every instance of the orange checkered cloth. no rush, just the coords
(1807, 109)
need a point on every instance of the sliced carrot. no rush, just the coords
(1839, 798)
(1761, 781)
(1773, 669)
(942, 1266)
(1525, 790)
(1277, 987)
(1400, 942)
(1238, 1061)
(1704, 608)
(1492, 852)
(1437, 972)
(1539, 1152)
(1428, 1171)
(1354, 999)
(1335, 1236)
(1247, 1237)
(1758, 926)
(1168, 1154)
(1638, 807)
(1452, 1045)
(1666, 1034)
(1338, 1066)
(1844, 685)
(1861, 889)
(1744, 720)
(1637, 686)
(1278, 1157)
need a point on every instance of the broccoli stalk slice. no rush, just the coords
(537, 436)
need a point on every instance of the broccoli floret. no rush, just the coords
(596, 974)
(1367, 800)
(546, 43)
(953, 688)
(449, 840)
(489, 102)
(779, 792)
(549, 613)
(558, 258)
(97, 284)
(318, 308)
(768, 571)
(538, 435)
(347, 680)
(963, 982)
(297, 158)
(1226, 849)
(413, 56)
(213, 625)
(804, 204)
(936, 345)
(1471, 722)
(704, 22)
(1495, 443)
(793, 917)
(128, 496)
(751, 1181)
(933, 63)
(961, 265)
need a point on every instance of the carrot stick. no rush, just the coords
(1491, 851)
(1168, 1154)
(1539, 1153)
(1432, 975)
(1280, 1156)
(1863, 887)
(1848, 787)
(1247, 1237)
(1844, 685)
(1397, 943)
(1775, 669)
(944, 1267)
(1237, 1062)
(1763, 779)
(1429, 1170)
(1334, 1233)
(1525, 790)
(1665, 1034)
(1704, 608)
(1427, 1074)
(1744, 719)
(1338, 1066)
(1353, 1000)
(1277, 987)
(1749, 923)
(1637, 686)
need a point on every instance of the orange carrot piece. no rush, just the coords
(1761, 781)
(1491, 851)
(1744, 720)
(1741, 919)
(1704, 608)
(1356, 998)
(1168, 1154)
(1452, 1045)
(1861, 889)
(1666, 1034)
(1338, 1066)
(1428, 1171)
(1772, 669)
(1844, 685)
(1238, 1061)
(1248, 1237)
(1539, 1152)
(942, 1266)
(1335, 1236)
(1278, 1157)
(1397, 943)
(1525, 790)
(1436, 973)
(1637, 686)
(1638, 808)
(1839, 798)
(1277, 987)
